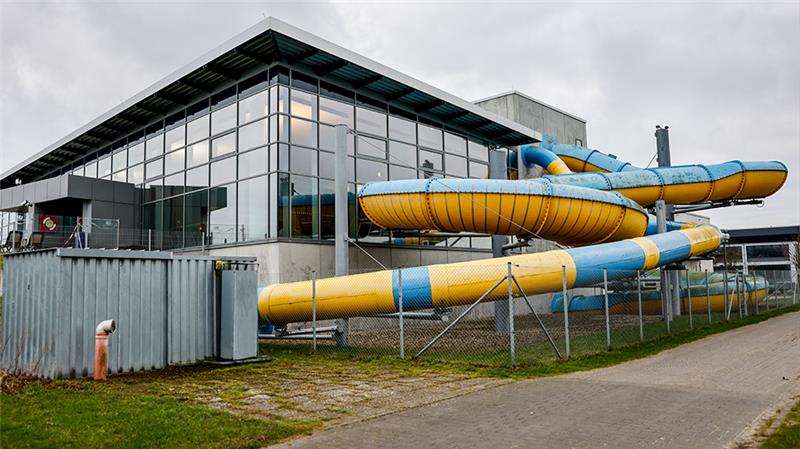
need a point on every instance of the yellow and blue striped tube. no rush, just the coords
(568, 214)
(686, 184)
(456, 284)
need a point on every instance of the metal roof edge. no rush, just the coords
(516, 92)
(267, 24)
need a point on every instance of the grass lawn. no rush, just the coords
(788, 434)
(47, 416)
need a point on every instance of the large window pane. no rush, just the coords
(455, 144)
(91, 170)
(253, 107)
(368, 121)
(369, 171)
(223, 119)
(402, 153)
(304, 132)
(335, 112)
(777, 252)
(196, 218)
(430, 137)
(429, 161)
(197, 129)
(222, 221)
(283, 100)
(136, 174)
(173, 223)
(404, 130)
(174, 161)
(136, 154)
(303, 161)
(223, 145)
(253, 135)
(175, 138)
(455, 165)
(368, 146)
(477, 170)
(197, 178)
(327, 139)
(327, 209)
(305, 207)
(478, 152)
(397, 172)
(104, 166)
(326, 165)
(154, 168)
(252, 210)
(253, 163)
(223, 171)
(155, 146)
(120, 160)
(173, 185)
(120, 176)
(197, 154)
(304, 104)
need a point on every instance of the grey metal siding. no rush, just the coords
(165, 306)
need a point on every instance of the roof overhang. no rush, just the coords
(268, 42)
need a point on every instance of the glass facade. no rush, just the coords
(254, 162)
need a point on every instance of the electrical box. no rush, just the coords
(238, 315)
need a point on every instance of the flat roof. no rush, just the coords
(772, 231)
(516, 92)
(271, 41)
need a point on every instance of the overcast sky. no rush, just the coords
(724, 76)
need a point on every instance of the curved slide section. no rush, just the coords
(687, 184)
(627, 301)
(455, 284)
(568, 214)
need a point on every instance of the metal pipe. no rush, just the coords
(639, 300)
(511, 341)
(566, 309)
(314, 309)
(341, 219)
(424, 316)
(689, 298)
(294, 337)
(605, 306)
(400, 312)
(101, 333)
(708, 299)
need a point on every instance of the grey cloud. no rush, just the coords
(725, 77)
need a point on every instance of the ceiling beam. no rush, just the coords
(429, 105)
(195, 86)
(400, 94)
(302, 56)
(455, 115)
(367, 81)
(211, 67)
(171, 98)
(331, 67)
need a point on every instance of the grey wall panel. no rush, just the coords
(166, 310)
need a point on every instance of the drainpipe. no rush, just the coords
(101, 348)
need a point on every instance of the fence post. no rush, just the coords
(149, 239)
(605, 305)
(511, 341)
(794, 289)
(708, 299)
(566, 311)
(639, 288)
(202, 242)
(668, 305)
(314, 310)
(738, 295)
(689, 298)
(755, 291)
(725, 313)
(400, 310)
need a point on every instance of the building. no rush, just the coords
(233, 154)
(773, 252)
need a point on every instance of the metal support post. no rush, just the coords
(605, 308)
(755, 292)
(498, 169)
(676, 292)
(400, 310)
(639, 300)
(511, 341)
(149, 239)
(726, 308)
(202, 242)
(661, 222)
(314, 310)
(738, 295)
(341, 221)
(669, 317)
(566, 309)
(689, 299)
(708, 299)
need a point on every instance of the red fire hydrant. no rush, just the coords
(101, 348)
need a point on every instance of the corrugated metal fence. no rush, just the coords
(166, 308)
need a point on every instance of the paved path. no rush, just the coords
(700, 395)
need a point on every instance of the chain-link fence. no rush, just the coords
(462, 313)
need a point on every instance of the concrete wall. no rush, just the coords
(538, 116)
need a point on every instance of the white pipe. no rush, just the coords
(106, 327)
